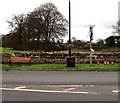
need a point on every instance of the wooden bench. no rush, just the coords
(19, 60)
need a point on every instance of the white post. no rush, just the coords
(91, 53)
(91, 38)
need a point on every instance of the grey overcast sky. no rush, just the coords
(101, 13)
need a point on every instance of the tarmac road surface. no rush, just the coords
(59, 86)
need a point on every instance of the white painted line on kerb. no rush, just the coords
(116, 91)
(69, 89)
(21, 87)
(70, 85)
(64, 86)
(48, 91)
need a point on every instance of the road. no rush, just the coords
(59, 86)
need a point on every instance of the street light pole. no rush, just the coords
(70, 60)
(69, 29)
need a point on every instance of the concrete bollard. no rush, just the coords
(105, 62)
(112, 62)
(108, 62)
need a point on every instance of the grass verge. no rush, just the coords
(59, 67)
(10, 50)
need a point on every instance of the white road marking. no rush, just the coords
(69, 89)
(21, 87)
(116, 91)
(70, 85)
(48, 91)
(91, 85)
(64, 86)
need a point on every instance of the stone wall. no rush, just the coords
(60, 58)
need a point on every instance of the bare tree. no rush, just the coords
(17, 27)
(55, 25)
(44, 24)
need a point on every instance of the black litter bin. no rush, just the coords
(70, 61)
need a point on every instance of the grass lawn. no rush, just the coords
(9, 50)
(96, 67)
(57, 66)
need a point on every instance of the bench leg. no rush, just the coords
(9, 63)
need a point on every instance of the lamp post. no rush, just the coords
(119, 18)
(70, 61)
(69, 29)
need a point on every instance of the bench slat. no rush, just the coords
(20, 59)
